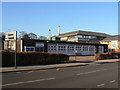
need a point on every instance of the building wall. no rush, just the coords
(64, 38)
(68, 48)
(119, 44)
(114, 44)
(73, 49)
(9, 45)
(83, 38)
(106, 42)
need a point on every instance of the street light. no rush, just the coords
(16, 51)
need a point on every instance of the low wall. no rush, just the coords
(32, 58)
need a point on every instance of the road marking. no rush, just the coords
(100, 85)
(112, 81)
(29, 72)
(58, 69)
(92, 72)
(27, 82)
(18, 72)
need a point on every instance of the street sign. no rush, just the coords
(11, 35)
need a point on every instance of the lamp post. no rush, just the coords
(15, 65)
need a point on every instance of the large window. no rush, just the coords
(91, 48)
(85, 48)
(61, 47)
(100, 48)
(70, 48)
(78, 48)
(29, 48)
(52, 47)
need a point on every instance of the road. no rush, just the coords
(91, 76)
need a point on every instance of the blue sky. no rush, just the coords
(38, 17)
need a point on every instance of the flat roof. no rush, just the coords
(66, 42)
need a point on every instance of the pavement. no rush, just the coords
(53, 66)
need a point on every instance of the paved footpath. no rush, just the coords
(53, 66)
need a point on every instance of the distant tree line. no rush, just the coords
(23, 34)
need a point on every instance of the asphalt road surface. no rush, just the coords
(91, 76)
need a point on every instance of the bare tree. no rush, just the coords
(21, 34)
(26, 36)
(42, 38)
(32, 36)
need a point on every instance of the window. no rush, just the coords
(91, 48)
(78, 48)
(85, 48)
(61, 47)
(79, 36)
(71, 48)
(89, 36)
(52, 47)
(29, 48)
(100, 48)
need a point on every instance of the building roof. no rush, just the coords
(83, 33)
(114, 37)
(28, 41)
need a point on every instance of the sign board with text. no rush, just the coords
(11, 35)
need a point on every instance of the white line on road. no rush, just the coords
(112, 81)
(58, 69)
(100, 85)
(91, 72)
(28, 82)
(18, 72)
(29, 72)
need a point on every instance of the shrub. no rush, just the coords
(108, 55)
(32, 58)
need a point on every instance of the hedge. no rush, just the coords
(108, 55)
(31, 58)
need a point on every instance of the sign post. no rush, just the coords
(13, 36)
